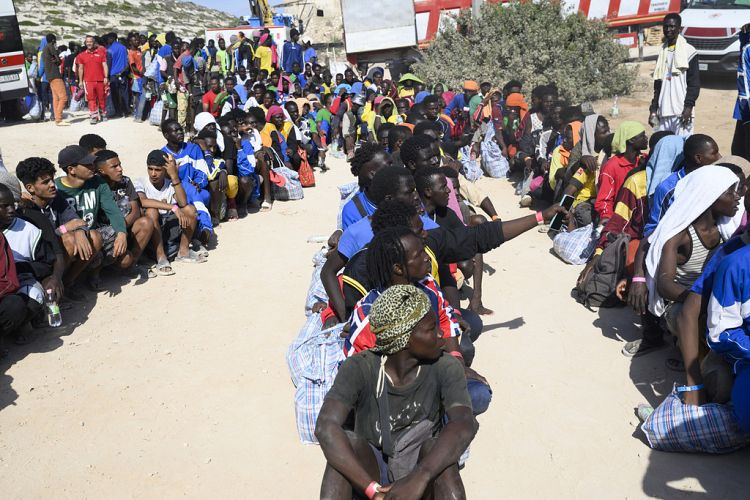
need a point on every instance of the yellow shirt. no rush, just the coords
(555, 164)
(263, 54)
(588, 180)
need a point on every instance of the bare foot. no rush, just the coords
(232, 214)
(479, 308)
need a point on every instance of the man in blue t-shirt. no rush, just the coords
(699, 150)
(119, 70)
(367, 161)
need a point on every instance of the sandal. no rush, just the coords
(163, 268)
(266, 206)
(191, 258)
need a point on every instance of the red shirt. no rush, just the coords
(135, 60)
(93, 64)
(208, 98)
(611, 179)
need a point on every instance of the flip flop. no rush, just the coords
(191, 258)
(163, 268)
(266, 206)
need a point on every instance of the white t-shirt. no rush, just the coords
(165, 194)
(673, 90)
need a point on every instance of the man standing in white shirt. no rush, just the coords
(676, 81)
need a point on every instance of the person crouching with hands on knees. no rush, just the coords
(413, 416)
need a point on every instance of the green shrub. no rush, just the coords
(534, 43)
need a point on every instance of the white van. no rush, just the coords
(712, 27)
(13, 80)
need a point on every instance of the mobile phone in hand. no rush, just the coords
(557, 220)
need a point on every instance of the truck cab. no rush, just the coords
(13, 80)
(712, 27)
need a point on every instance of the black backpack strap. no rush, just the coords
(358, 203)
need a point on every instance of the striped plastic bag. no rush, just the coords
(711, 428)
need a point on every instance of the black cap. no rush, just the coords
(74, 155)
(156, 158)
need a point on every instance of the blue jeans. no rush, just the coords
(140, 106)
(741, 395)
(467, 340)
(480, 394)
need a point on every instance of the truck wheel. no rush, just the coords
(10, 111)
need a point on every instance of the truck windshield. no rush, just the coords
(10, 35)
(719, 4)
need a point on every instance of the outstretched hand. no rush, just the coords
(555, 209)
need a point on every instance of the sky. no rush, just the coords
(236, 7)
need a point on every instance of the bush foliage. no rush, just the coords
(534, 42)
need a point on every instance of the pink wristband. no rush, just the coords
(62, 229)
(175, 208)
(539, 218)
(638, 279)
(372, 488)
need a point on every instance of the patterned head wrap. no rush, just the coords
(394, 315)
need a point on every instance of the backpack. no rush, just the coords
(597, 285)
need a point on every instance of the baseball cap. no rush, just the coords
(156, 158)
(74, 155)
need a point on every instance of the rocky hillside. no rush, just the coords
(73, 19)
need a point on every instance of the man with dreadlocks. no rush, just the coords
(387, 183)
(368, 159)
(401, 392)
(398, 256)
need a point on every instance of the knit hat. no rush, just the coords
(394, 315)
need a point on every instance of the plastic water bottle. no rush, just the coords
(615, 108)
(53, 310)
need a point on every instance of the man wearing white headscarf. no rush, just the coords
(688, 231)
(205, 119)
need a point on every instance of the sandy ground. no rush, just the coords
(178, 386)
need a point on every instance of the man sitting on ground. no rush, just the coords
(109, 167)
(378, 384)
(63, 224)
(396, 138)
(164, 199)
(628, 142)
(92, 143)
(33, 255)
(93, 201)
(367, 161)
